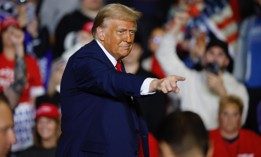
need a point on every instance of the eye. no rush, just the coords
(120, 31)
(224, 113)
(4, 130)
(132, 32)
(236, 114)
(221, 55)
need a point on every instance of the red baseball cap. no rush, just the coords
(47, 110)
(9, 21)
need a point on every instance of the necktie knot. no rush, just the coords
(118, 66)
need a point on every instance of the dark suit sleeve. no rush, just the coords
(94, 75)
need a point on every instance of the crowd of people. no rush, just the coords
(213, 44)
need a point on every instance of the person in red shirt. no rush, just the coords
(30, 85)
(230, 140)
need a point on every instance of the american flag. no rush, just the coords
(222, 22)
(217, 20)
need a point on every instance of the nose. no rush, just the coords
(128, 37)
(230, 118)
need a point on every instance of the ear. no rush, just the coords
(100, 33)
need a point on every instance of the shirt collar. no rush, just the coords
(110, 57)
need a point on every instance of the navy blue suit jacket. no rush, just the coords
(99, 117)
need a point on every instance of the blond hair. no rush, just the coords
(115, 11)
(231, 99)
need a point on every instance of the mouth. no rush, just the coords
(125, 47)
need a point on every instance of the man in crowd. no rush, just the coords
(183, 134)
(203, 89)
(7, 137)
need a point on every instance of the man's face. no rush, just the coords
(7, 136)
(217, 55)
(117, 36)
(229, 118)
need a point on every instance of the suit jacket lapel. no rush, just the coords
(101, 53)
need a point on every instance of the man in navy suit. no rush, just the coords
(99, 114)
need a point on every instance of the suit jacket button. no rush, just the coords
(136, 152)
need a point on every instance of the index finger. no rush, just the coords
(180, 78)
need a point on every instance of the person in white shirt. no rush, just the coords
(202, 89)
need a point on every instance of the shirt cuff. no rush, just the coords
(145, 87)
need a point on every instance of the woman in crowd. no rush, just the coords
(46, 133)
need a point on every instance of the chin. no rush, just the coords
(124, 54)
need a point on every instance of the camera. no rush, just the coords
(213, 68)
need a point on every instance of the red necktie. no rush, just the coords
(118, 66)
